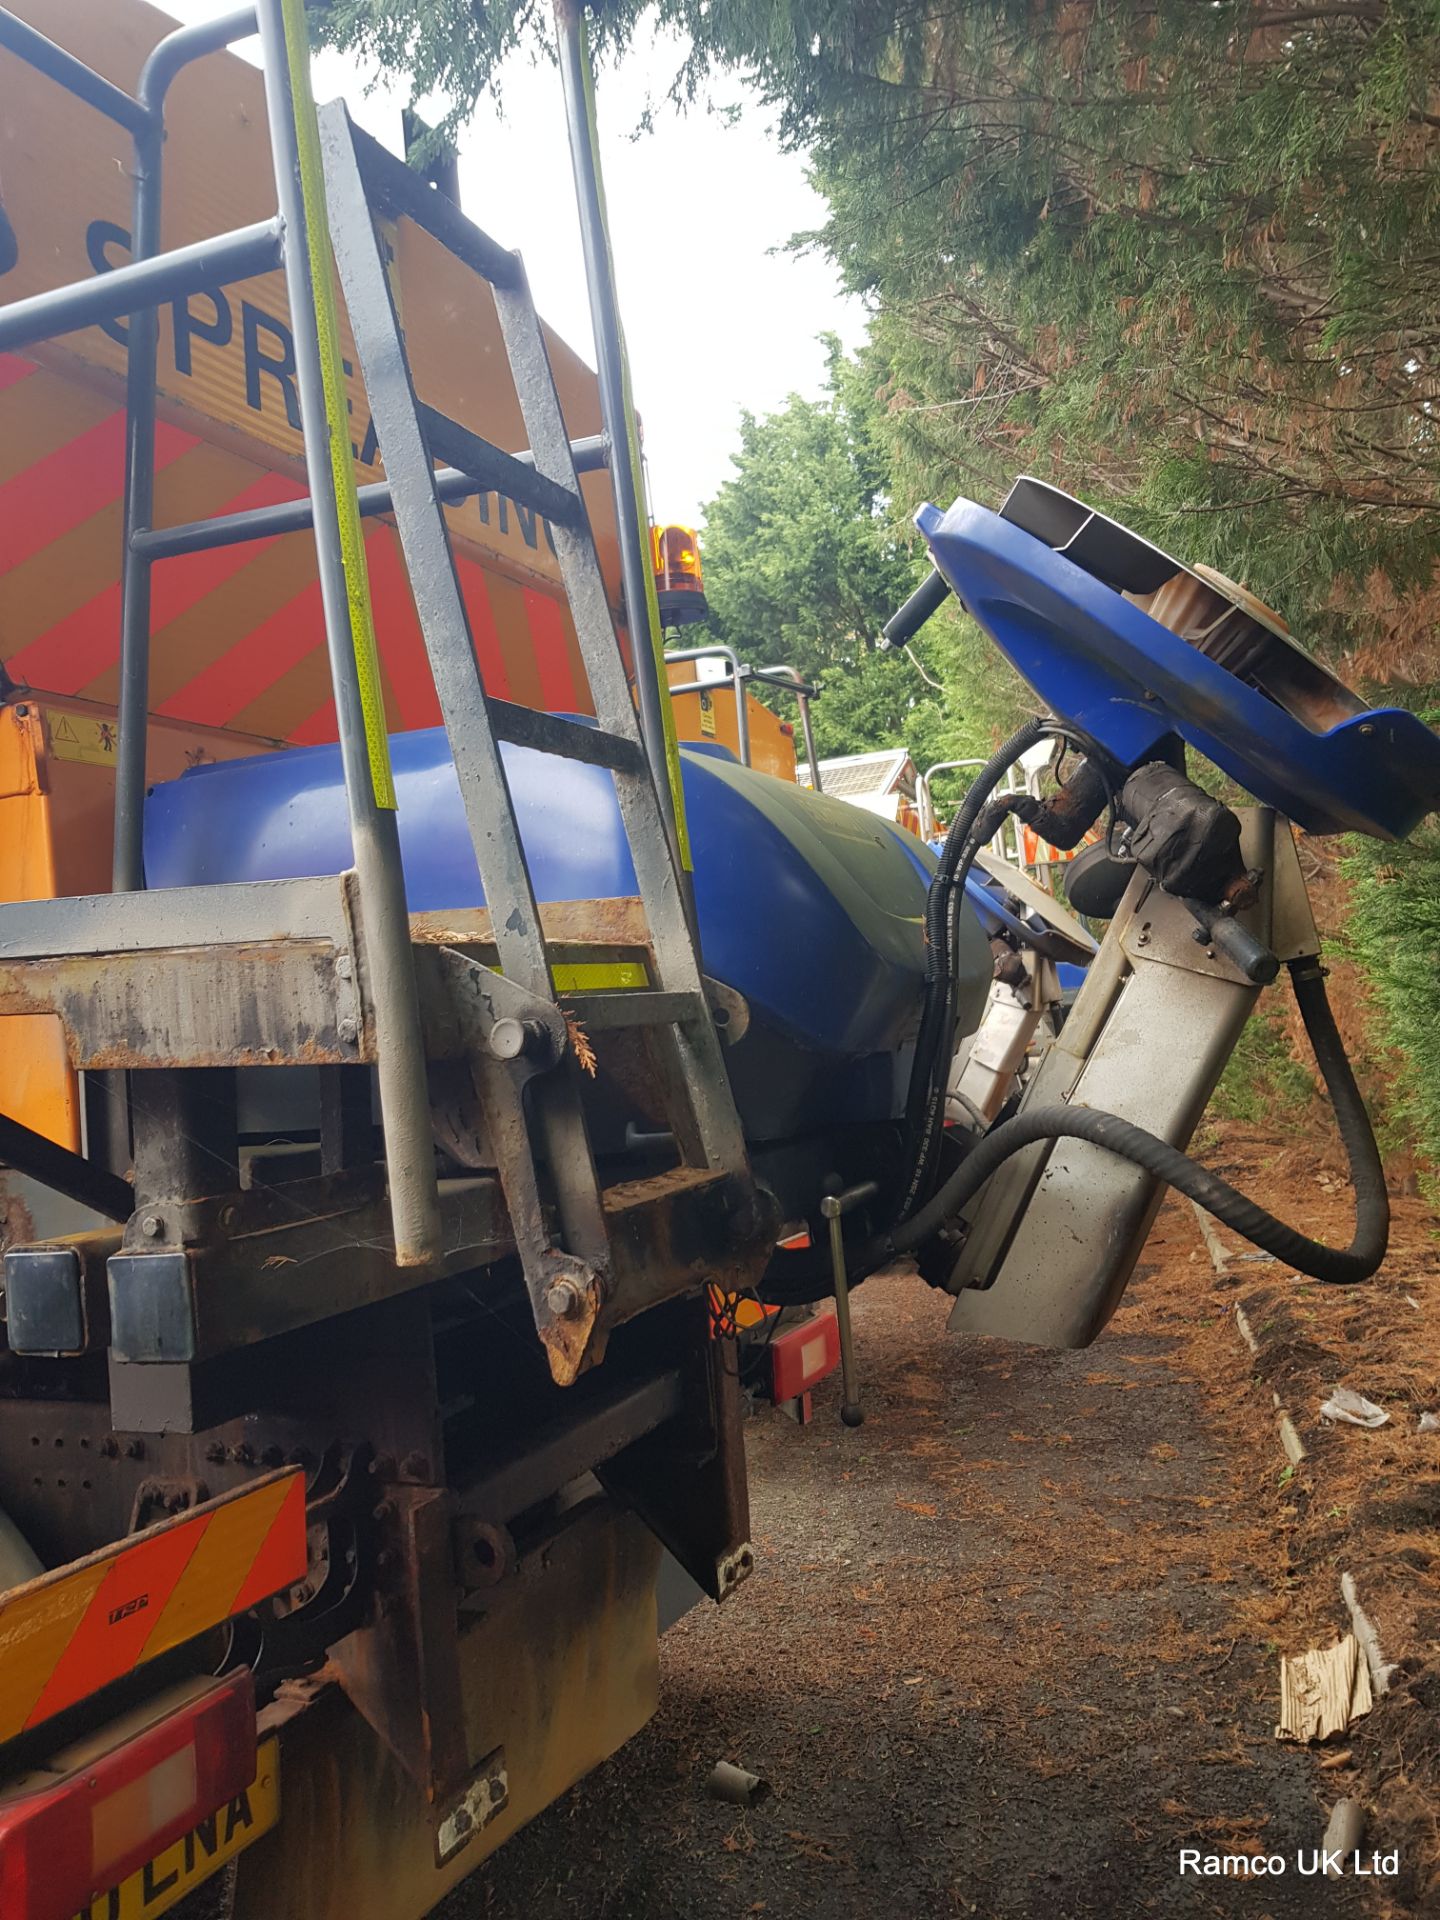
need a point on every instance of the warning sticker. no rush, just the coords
(707, 715)
(76, 736)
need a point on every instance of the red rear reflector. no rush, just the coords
(804, 1355)
(72, 1831)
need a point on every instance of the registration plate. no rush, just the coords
(203, 1851)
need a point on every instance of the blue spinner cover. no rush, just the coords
(1104, 664)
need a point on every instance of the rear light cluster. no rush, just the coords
(74, 1829)
(803, 1356)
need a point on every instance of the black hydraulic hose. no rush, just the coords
(1338, 1266)
(925, 1100)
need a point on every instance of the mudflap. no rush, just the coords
(558, 1668)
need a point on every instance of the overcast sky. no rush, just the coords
(716, 318)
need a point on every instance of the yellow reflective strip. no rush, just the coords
(352, 541)
(35, 1630)
(655, 637)
(588, 974)
(217, 1568)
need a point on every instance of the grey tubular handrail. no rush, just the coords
(295, 516)
(804, 693)
(927, 810)
(737, 677)
(144, 283)
(631, 520)
(19, 37)
(166, 60)
(781, 676)
(922, 791)
(374, 830)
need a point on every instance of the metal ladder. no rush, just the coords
(383, 1006)
(412, 438)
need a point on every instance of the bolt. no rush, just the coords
(243, 1455)
(349, 1031)
(215, 1452)
(562, 1297)
(110, 1447)
(510, 1038)
(383, 1512)
(152, 1226)
(507, 1039)
(229, 1218)
(415, 1466)
(382, 1467)
(134, 1449)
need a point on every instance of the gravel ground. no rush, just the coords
(1005, 1654)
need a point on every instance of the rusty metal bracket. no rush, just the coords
(729, 1010)
(566, 1292)
(470, 1008)
(513, 1038)
(401, 1670)
(158, 1498)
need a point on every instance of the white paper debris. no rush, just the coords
(1345, 1404)
(1430, 1423)
(1382, 1671)
(1323, 1691)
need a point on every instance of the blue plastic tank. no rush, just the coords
(809, 907)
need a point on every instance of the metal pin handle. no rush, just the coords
(834, 1206)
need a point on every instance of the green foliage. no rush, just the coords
(803, 565)
(1263, 1081)
(800, 562)
(1394, 931)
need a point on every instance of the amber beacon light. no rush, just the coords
(679, 582)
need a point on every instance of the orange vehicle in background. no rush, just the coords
(709, 684)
